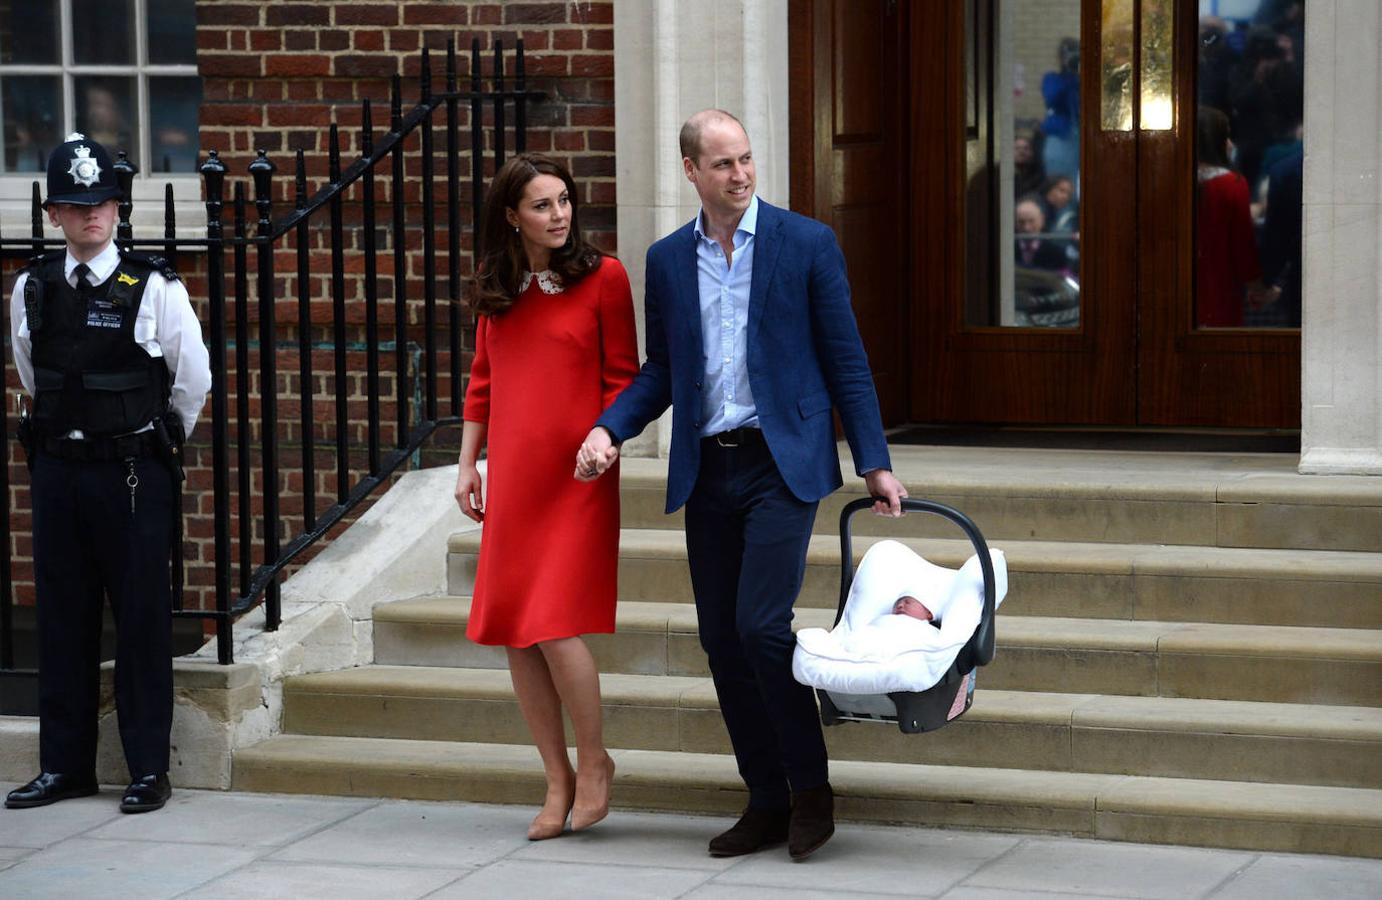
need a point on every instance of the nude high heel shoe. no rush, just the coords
(584, 815)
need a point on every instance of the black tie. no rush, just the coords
(81, 271)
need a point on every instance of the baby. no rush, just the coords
(911, 606)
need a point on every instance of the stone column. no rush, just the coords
(672, 58)
(1341, 344)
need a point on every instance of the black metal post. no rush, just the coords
(338, 318)
(305, 377)
(170, 227)
(477, 148)
(400, 264)
(520, 102)
(498, 104)
(429, 243)
(124, 176)
(453, 229)
(243, 503)
(371, 287)
(263, 169)
(36, 220)
(214, 173)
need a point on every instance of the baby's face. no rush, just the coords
(911, 606)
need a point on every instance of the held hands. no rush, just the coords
(882, 483)
(470, 493)
(596, 455)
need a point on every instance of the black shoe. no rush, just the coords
(756, 829)
(146, 794)
(813, 821)
(50, 787)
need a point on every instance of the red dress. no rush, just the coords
(544, 370)
(1226, 255)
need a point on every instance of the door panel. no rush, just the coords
(848, 138)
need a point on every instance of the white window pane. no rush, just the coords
(172, 33)
(173, 104)
(106, 112)
(37, 42)
(33, 120)
(103, 32)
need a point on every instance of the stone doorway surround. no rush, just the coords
(673, 57)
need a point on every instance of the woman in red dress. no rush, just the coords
(1227, 272)
(554, 345)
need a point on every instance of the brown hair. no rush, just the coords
(499, 268)
(690, 136)
(1211, 136)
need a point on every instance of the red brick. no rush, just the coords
(364, 66)
(534, 13)
(303, 90)
(291, 15)
(536, 40)
(592, 116)
(594, 14)
(228, 14)
(602, 65)
(333, 40)
(599, 39)
(568, 39)
(212, 39)
(232, 114)
(440, 14)
(299, 114)
(299, 40)
(569, 141)
(405, 40)
(266, 40)
(297, 65)
(369, 14)
(217, 65)
(486, 15)
(545, 64)
(367, 40)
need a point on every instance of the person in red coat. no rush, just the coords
(1227, 271)
(555, 343)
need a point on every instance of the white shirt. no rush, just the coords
(165, 326)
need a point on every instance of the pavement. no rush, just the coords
(209, 844)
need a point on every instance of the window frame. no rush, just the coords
(147, 190)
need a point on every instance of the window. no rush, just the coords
(122, 72)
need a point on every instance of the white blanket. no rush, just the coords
(873, 650)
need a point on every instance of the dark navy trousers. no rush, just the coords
(89, 546)
(746, 541)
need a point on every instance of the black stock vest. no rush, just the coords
(89, 373)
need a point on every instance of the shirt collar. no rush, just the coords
(748, 224)
(101, 265)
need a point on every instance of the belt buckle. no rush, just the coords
(733, 435)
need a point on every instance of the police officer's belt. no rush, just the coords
(102, 449)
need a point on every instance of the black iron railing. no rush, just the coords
(241, 583)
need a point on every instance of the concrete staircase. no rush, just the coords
(1190, 652)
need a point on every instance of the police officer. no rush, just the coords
(108, 347)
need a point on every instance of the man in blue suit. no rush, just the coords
(751, 340)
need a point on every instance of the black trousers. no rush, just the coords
(89, 545)
(746, 541)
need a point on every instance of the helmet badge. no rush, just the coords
(84, 170)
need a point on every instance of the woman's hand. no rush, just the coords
(470, 493)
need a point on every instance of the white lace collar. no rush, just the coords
(548, 282)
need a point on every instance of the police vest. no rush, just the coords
(89, 373)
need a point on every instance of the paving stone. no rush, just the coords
(44, 825)
(1318, 877)
(515, 879)
(668, 841)
(418, 834)
(232, 820)
(1117, 870)
(714, 890)
(876, 860)
(85, 867)
(304, 881)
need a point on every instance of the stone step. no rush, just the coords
(1332, 666)
(1214, 739)
(1211, 499)
(1341, 589)
(1273, 817)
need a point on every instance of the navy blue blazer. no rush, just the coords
(804, 356)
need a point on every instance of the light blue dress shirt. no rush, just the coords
(726, 401)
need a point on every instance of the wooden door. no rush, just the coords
(1004, 332)
(847, 98)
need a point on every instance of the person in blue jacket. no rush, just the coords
(752, 341)
(1060, 153)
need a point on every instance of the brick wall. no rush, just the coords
(275, 76)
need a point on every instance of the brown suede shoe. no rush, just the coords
(812, 823)
(756, 829)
